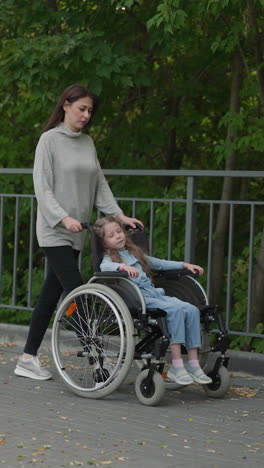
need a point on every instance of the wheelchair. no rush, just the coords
(100, 328)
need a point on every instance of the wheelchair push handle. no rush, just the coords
(137, 228)
(127, 227)
(86, 225)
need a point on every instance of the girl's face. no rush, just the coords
(114, 236)
(78, 113)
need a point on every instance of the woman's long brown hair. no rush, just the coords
(71, 94)
(130, 245)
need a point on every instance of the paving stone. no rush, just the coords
(43, 424)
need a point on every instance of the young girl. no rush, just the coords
(183, 319)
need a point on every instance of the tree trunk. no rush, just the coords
(223, 213)
(257, 312)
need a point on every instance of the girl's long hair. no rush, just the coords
(71, 94)
(130, 245)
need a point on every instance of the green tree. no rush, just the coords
(163, 71)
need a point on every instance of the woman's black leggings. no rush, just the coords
(62, 275)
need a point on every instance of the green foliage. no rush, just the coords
(162, 72)
(169, 16)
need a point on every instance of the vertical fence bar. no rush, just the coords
(133, 208)
(151, 226)
(210, 249)
(170, 230)
(190, 220)
(1, 242)
(15, 253)
(229, 265)
(30, 253)
(250, 265)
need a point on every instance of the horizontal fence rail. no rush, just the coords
(18, 282)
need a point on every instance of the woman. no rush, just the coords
(68, 183)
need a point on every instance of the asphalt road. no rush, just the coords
(44, 425)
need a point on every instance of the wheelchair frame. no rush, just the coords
(102, 326)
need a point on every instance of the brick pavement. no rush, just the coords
(44, 425)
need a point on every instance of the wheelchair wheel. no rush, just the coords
(220, 384)
(153, 395)
(186, 288)
(92, 340)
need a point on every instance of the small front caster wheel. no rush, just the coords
(152, 394)
(220, 384)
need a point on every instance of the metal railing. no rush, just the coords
(15, 203)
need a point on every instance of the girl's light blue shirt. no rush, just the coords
(143, 281)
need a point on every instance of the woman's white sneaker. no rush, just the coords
(32, 369)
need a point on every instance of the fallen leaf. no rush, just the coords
(163, 444)
(243, 392)
(8, 345)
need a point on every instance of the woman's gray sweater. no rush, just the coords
(68, 181)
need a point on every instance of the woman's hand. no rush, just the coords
(194, 268)
(132, 271)
(72, 224)
(130, 221)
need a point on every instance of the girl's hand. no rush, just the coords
(132, 271)
(72, 224)
(194, 268)
(130, 221)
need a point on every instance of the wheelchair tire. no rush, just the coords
(152, 396)
(186, 288)
(93, 341)
(220, 384)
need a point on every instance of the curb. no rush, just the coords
(240, 361)
(18, 333)
(250, 363)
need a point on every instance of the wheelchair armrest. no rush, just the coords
(112, 274)
(170, 274)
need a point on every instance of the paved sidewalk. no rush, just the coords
(44, 425)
